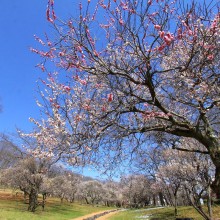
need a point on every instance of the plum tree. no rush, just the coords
(142, 68)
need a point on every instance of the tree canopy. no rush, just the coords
(127, 71)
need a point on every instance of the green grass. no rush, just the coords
(161, 214)
(12, 208)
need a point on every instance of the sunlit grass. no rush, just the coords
(13, 208)
(161, 214)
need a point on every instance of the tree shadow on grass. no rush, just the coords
(165, 216)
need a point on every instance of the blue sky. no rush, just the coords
(19, 21)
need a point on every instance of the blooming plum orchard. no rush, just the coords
(143, 67)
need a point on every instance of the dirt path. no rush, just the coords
(108, 215)
(95, 215)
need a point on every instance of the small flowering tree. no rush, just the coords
(189, 172)
(92, 191)
(142, 68)
(136, 190)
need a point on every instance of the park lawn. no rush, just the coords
(161, 213)
(13, 208)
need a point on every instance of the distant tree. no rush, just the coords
(60, 187)
(74, 181)
(155, 70)
(27, 175)
(113, 194)
(92, 191)
(65, 186)
(136, 190)
(183, 171)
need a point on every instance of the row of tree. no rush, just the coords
(163, 177)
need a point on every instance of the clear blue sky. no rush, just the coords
(19, 21)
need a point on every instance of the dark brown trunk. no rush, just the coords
(87, 201)
(33, 200)
(44, 200)
(161, 197)
(175, 204)
(154, 200)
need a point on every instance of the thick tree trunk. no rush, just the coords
(33, 202)
(175, 204)
(154, 200)
(44, 200)
(161, 197)
(216, 183)
(213, 146)
(87, 201)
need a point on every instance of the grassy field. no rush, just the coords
(160, 214)
(13, 208)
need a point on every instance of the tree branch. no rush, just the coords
(192, 150)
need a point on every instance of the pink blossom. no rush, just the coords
(210, 57)
(179, 33)
(41, 67)
(87, 107)
(83, 82)
(161, 48)
(57, 106)
(95, 53)
(161, 33)
(190, 32)
(168, 38)
(110, 97)
(121, 22)
(104, 6)
(49, 43)
(48, 14)
(124, 5)
(39, 40)
(79, 48)
(54, 15)
(61, 54)
(67, 88)
(77, 118)
(157, 27)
